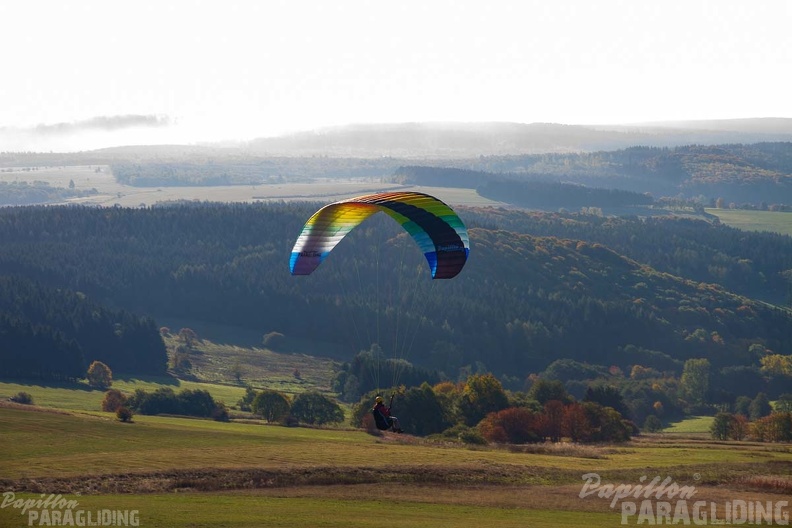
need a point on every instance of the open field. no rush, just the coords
(112, 193)
(183, 472)
(692, 425)
(259, 366)
(80, 396)
(772, 221)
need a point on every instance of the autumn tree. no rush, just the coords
(188, 336)
(124, 414)
(481, 395)
(99, 375)
(113, 399)
(515, 425)
(575, 424)
(740, 427)
(777, 364)
(552, 423)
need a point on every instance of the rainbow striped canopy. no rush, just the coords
(434, 226)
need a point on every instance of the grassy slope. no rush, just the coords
(259, 367)
(70, 453)
(212, 368)
(772, 221)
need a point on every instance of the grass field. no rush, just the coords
(691, 425)
(110, 192)
(187, 472)
(772, 221)
(180, 472)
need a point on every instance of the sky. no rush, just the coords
(92, 73)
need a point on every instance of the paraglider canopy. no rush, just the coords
(433, 225)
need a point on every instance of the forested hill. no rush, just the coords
(521, 302)
(56, 333)
(754, 264)
(738, 173)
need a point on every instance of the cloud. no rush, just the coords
(103, 123)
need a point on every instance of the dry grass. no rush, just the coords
(771, 483)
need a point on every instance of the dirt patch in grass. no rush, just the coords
(245, 479)
(739, 478)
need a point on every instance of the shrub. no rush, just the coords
(463, 433)
(124, 414)
(165, 401)
(22, 397)
(652, 424)
(315, 408)
(515, 425)
(246, 401)
(220, 413)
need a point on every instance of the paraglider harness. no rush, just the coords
(383, 422)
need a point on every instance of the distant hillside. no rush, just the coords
(455, 140)
(433, 140)
(760, 172)
(521, 302)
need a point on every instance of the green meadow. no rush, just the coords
(772, 221)
(183, 472)
(190, 472)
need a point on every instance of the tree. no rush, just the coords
(482, 394)
(271, 405)
(247, 400)
(515, 425)
(552, 420)
(721, 426)
(544, 391)
(760, 407)
(316, 408)
(99, 375)
(739, 427)
(742, 405)
(652, 424)
(784, 403)
(188, 336)
(777, 364)
(421, 411)
(607, 396)
(575, 423)
(113, 400)
(237, 370)
(694, 382)
(124, 414)
(196, 402)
